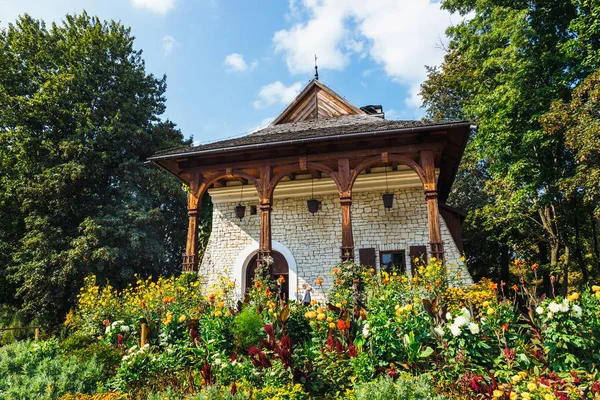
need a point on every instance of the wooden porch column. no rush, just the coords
(190, 258)
(345, 191)
(265, 206)
(431, 195)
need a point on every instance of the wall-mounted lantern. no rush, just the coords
(240, 210)
(313, 204)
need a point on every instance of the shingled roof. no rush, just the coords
(313, 130)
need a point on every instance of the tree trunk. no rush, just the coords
(504, 261)
(595, 240)
(577, 250)
(543, 262)
(565, 283)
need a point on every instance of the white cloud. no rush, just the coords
(277, 93)
(263, 124)
(169, 43)
(235, 63)
(157, 6)
(401, 36)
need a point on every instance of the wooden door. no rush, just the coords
(279, 268)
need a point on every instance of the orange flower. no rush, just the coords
(505, 327)
(142, 304)
(211, 297)
(535, 267)
(268, 292)
(280, 280)
(258, 284)
(319, 281)
(336, 271)
(493, 286)
(518, 263)
(339, 281)
(515, 288)
(342, 325)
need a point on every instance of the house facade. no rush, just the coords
(314, 188)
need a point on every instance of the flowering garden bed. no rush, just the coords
(379, 336)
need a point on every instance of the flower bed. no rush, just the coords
(377, 332)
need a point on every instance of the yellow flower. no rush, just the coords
(549, 396)
(498, 393)
(331, 325)
(596, 288)
(227, 313)
(491, 311)
(573, 296)
(182, 318)
(516, 379)
(321, 317)
(513, 396)
(531, 386)
(218, 313)
(598, 295)
(463, 259)
(526, 396)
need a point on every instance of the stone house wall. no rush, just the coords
(314, 240)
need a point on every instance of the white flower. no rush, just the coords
(448, 316)
(460, 321)
(474, 328)
(107, 330)
(455, 330)
(576, 311)
(539, 310)
(124, 328)
(365, 330)
(439, 331)
(466, 313)
(564, 306)
(483, 321)
(550, 315)
(554, 307)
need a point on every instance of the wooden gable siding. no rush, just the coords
(316, 101)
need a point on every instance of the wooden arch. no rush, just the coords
(385, 158)
(299, 167)
(237, 174)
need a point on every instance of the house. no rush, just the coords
(339, 160)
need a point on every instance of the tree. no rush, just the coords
(504, 68)
(79, 116)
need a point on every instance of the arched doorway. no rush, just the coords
(279, 268)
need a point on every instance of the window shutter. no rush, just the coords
(417, 251)
(367, 257)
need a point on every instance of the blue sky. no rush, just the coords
(232, 66)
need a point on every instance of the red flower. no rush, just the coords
(106, 322)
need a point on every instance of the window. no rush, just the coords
(392, 261)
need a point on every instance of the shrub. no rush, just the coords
(248, 328)
(99, 396)
(40, 371)
(406, 387)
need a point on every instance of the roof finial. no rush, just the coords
(316, 69)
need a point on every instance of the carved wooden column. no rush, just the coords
(431, 195)
(190, 258)
(266, 201)
(345, 192)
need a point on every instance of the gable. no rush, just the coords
(317, 101)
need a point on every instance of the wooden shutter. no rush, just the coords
(367, 257)
(417, 251)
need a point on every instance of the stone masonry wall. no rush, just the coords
(314, 240)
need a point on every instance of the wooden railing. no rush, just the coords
(37, 330)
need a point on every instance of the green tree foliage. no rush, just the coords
(79, 116)
(505, 65)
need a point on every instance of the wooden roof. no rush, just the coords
(316, 101)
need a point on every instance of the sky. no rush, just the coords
(232, 66)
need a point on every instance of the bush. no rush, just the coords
(407, 387)
(248, 328)
(40, 371)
